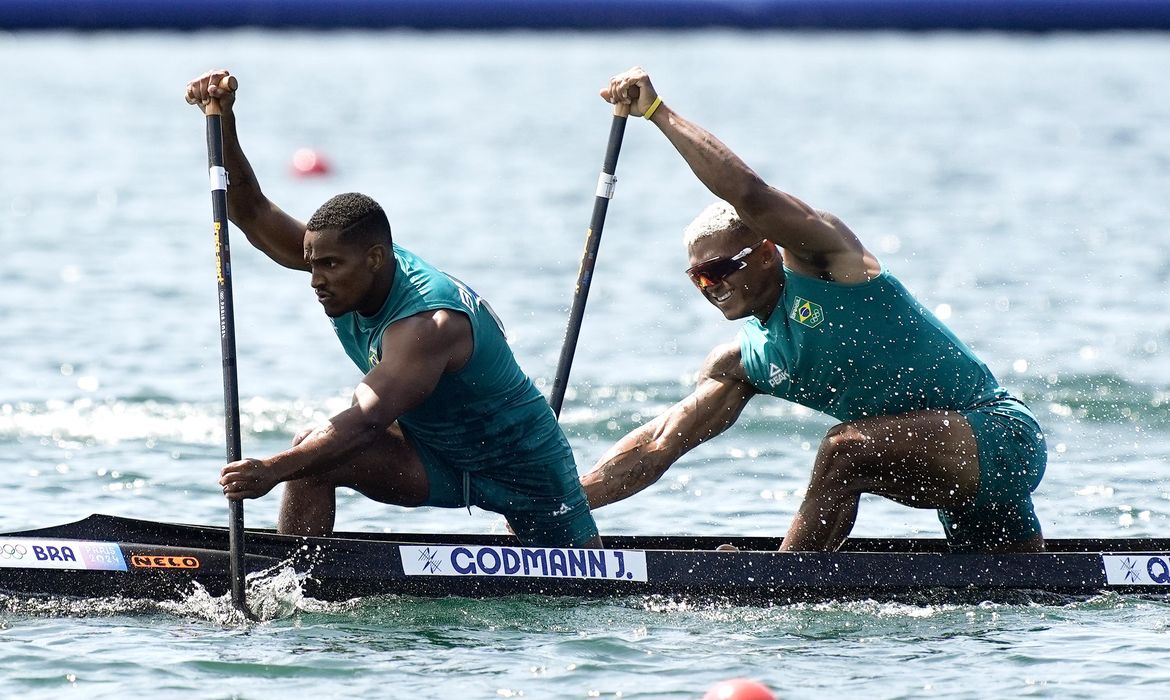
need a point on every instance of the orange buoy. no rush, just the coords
(308, 162)
(739, 689)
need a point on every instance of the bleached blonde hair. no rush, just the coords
(718, 217)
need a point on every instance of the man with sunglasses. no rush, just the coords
(923, 421)
(444, 416)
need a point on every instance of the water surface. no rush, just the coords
(1015, 183)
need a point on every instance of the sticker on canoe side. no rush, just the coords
(163, 561)
(1137, 569)
(36, 553)
(531, 562)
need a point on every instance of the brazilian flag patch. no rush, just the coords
(807, 312)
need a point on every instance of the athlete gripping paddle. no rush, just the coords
(444, 416)
(923, 421)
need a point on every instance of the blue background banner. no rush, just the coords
(1008, 15)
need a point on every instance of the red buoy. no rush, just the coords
(308, 162)
(739, 689)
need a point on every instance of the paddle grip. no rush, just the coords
(228, 83)
(622, 109)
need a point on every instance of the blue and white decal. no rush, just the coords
(78, 555)
(525, 562)
(1137, 569)
(472, 301)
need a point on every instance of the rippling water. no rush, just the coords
(1016, 184)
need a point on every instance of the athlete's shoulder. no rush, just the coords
(433, 331)
(725, 363)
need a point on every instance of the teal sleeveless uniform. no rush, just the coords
(871, 349)
(486, 434)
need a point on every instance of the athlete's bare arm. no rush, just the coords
(642, 457)
(816, 243)
(280, 236)
(416, 352)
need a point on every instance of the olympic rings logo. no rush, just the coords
(13, 551)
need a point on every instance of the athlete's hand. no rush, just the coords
(205, 88)
(247, 478)
(632, 87)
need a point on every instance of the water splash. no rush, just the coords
(85, 421)
(276, 593)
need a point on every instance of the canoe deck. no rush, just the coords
(107, 556)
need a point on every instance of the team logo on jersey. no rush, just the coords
(474, 302)
(807, 312)
(373, 358)
(776, 374)
(466, 298)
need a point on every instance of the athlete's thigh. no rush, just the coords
(389, 470)
(925, 459)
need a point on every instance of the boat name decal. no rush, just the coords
(532, 562)
(1136, 569)
(37, 553)
(155, 561)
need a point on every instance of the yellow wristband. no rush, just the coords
(653, 106)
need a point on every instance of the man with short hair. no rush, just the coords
(923, 421)
(444, 416)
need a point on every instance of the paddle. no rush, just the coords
(605, 188)
(227, 335)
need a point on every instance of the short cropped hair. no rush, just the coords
(358, 217)
(716, 218)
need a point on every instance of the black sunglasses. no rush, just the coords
(712, 272)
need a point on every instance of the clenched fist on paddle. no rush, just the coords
(247, 478)
(214, 90)
(633, 88)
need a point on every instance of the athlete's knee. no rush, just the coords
(843, 435)
(838, 463)
(311, 484)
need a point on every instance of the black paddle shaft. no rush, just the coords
(227, 337)
(605, 189)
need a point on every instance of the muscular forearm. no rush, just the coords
(639, 459)
(631, 465)
(347, 433)
(716, 166)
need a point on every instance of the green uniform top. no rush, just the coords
(854, 351)
(487, 414)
